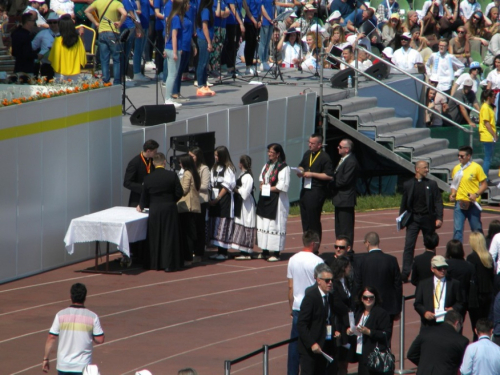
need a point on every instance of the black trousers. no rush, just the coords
(424, 223)
(251, 33)
(311, 205)
(187, 227)
(344, 223)
(201, 227)
(316, 364)
(233, 35)
(160, 44)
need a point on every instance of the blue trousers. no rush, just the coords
(472, 214)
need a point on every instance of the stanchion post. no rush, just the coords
(227, 367)
(265, 362)
(402, 342)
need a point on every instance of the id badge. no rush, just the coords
(266, 190)
(440, 315)
(215, 193)
(328, 332)
(307, 182)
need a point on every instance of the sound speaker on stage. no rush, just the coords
(256, 95)
(148, 115)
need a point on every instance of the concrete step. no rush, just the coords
(387, 125)
(404, 136)
(369, 115)
(423, 146)
(353, 104)
(438, 158)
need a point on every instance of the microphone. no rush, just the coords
(124, 35)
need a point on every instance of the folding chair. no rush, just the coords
(88, 38)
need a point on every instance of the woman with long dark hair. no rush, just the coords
(374, 325)
(483, 263)
(205, 32)
(221, 212)
(201, 220)
(244, 211)
(273, 206)
(67, 54)
(189, 207)
(173, 51)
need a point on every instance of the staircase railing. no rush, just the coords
(356, 70)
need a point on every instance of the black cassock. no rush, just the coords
(161, 191)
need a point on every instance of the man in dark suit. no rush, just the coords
(421, 269)
(315, 324)
(161, 191)
(381, 271)
(139, 167)
(439, 350)
(343, 186)
(423, 203)
(437, 294)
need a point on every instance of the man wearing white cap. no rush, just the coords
(406, 57)
(285, 24)
(474, 73)
(445, 66)
(43, 41)
(307, 19)
(33, 7)
(460, 113)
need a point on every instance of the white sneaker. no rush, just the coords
(260, 68)
(175, 104)
(150, 65)
(141, 77)
(248, 71)
(130, 83)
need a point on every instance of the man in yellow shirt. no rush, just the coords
(469, 182)
(110, 16)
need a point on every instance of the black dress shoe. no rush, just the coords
(170, 270)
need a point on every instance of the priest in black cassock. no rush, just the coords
(160, 192)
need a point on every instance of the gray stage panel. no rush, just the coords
(295, 117)
(8, 213)
(116, 161)
(218, 122)
(239, 130)
(258, 125)
(310, 115)
(29, 156)
(100, 165)
(294, 152)
(9, 117)
(197, 125)
(54, 196)
(131, 146)
(276, 121)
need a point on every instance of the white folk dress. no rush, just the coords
(244, 225)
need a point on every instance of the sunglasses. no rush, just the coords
(461, 32)
(328, 281)
(461, 156)
(339, 247)
(368, 298)
(443, 268)
(477, 18)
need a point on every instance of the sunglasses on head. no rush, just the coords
(368, 298)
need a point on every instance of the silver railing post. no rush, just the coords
(356, 74)
(265, 362)
(322, 61)
(227, 367)
(402, 342)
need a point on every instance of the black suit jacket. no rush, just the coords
(134, 177)
(161, 189)
(433, 198)
(381, 271)
(421, 269)
(465, 274)
(343, 185)
(438, 350)
(424, 298)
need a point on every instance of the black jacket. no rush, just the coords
(433, 198)
(421, 269)
(134, 177)
(343, 185)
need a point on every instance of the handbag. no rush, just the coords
(383, 362)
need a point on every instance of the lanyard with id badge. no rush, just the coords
(308, 180)
(328, 325)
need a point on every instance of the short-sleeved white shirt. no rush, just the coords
(301, 271)
(494, 78)
(460, 82)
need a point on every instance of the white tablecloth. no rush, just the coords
(118, 225)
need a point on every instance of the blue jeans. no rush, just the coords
(472, 214)
(126, 56)
(201, 69)
(140, 45)
(110, 47)
(489, 148)
(265, 38)
(293, 347)
(182, 66)
(173, 69)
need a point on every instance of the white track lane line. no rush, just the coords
(47, 283)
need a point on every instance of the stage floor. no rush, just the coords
(198, 317)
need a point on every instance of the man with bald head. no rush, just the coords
(424, 206)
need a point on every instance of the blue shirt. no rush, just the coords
(344, 8)
(145, 13)
(219, 21)
(254, 6)
(205, 16)
(268, 6)
(191, 13)
(238, 4)
(129, 5)
(158, 4)
(481, 358)
(175, 24)
(187, 33)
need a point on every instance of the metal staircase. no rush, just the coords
(396, 139)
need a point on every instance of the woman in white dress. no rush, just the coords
(290, 48)
(244, 211)
(272, 209)
(220, 210)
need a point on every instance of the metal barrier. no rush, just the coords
(265, 358)
(266, 348)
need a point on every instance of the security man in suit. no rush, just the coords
(343, 186)
(315, 324)
(437, 294)
(421, 269)
(423, 203)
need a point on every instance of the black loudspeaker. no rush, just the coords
(379, 71)
(256, 95)
(339, 80)
(148, 115)
(183, 143)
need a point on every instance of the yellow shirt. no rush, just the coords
(111, 13)
(472, 176)
(67, 61)
(486, 114)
